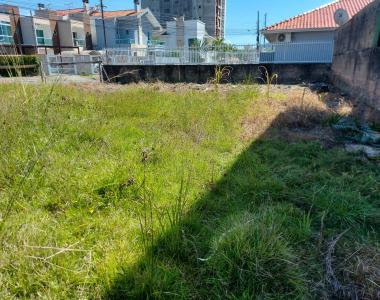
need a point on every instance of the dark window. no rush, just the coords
(378, 41)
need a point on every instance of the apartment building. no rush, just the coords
(210, 12)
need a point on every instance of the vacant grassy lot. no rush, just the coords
(157, 193)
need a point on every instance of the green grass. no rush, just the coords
(141, 194)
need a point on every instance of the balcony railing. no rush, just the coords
(156, 43)
(6, 40)
(79, 42)
(125, 41)
(41, 41)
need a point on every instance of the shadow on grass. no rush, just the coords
(260, 231)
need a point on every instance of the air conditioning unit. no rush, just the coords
(285, 37)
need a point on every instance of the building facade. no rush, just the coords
(317, 25)
(125, 28)
(182, 33)
(210, 12)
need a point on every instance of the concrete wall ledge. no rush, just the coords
(287, 73)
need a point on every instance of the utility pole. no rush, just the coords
(17, 35)
(104, 25)
(258, 30)
(265, 25)
(34, 32)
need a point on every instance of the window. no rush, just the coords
(6, 37)
(378, 41)
(77, 41)
(40, 37)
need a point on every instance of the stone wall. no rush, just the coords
(287, 73)
(356, 64)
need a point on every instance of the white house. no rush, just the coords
(38, 33)
(317, 25)
(182, 33)
(125, 28)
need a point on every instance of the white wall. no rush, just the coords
(5, 18)
(44, 25)
(313, 36)
(193, 29)
(306, 36)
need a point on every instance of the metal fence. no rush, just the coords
(182, 56)
(279, 53)
(71, 64)
(307, 52)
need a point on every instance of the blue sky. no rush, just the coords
(241, 14)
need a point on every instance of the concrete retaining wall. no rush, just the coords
(356, 64)
(288, 73)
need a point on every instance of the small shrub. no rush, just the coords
(14, 65)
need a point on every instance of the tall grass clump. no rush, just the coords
(268, 79)
(221, 75)
(253, 258)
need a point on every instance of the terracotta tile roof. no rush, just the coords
(322, 17)
(66, 12)
(116, 13)
(107, 14)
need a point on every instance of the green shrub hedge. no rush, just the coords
(13, 65)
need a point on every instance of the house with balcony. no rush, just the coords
(125, 29)
(10, 31)
(6, 34)
(71, 29)
(37, 34)
(122, 28)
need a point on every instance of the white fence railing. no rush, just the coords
(307, 52)
(279, 53)
(188, 56)
(71, 64)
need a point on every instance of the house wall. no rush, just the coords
(78, 27)
(356, 64)
(65, 34)
(309, 36)
(5, 18)
(320, 36)
(44, 25)
(110, 27)
(190, 29)
(27, 28)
